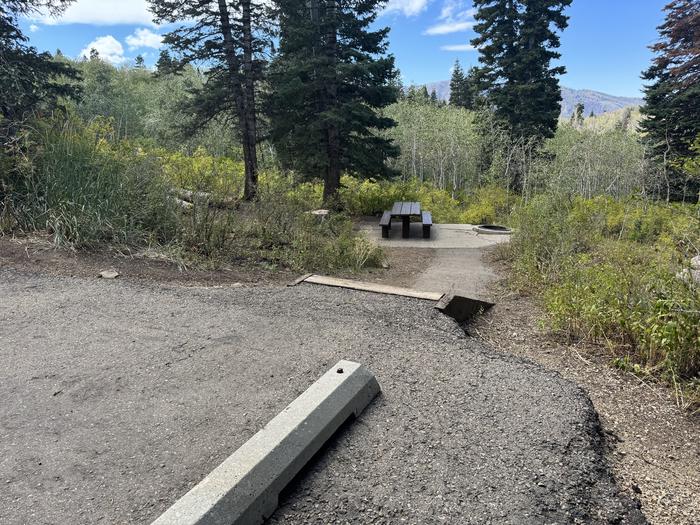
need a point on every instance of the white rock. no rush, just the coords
(109, 274)
(689, 275)
(695, 262)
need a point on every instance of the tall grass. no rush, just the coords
(87, 188)
(610, 272)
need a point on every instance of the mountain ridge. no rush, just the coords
(593, 101)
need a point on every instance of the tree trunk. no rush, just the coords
(251, 174)
(244, 99)
(333, 168)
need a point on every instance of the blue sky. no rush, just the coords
(604, 47)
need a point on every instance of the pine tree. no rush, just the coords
(577, 115)
(457, 86)
(474, 88)
(434, 99)
(466, 90)
(139, 62)
(29, 80)
(671, 110)
(679, 48)
(423, 95)
(517, 40)
(231, 38)
(328, 81)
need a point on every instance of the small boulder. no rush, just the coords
(109, 274)
(695, 263)
(689, 276)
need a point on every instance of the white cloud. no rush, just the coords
(406, 7)
(454, 17)
(448, 27)
(455, 9)
(103, 12)
(34, 28)
(458, 47)
(108, 47)
(144, 38)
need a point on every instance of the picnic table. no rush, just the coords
(404, 211)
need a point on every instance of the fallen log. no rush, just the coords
(203, 196)
(182, 203)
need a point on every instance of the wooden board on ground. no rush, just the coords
(372, 287)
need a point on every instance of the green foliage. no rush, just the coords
(232, 40)
(29, 80)
(588, 162)
(330, 79)
(203, 172)
(626, 294)
(88, 189)
(148, 107)
(517, 41)
(279, 230)
(466, 91)
(609, 270)
(85, 189)
(488, 204)
(691, 164)
(672, 95)
(444, 146)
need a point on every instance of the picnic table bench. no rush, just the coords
(404, 211)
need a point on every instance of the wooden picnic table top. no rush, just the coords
(404, 209)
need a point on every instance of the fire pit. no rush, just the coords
(492, 229)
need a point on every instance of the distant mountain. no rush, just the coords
(441, 88)
(594, 101)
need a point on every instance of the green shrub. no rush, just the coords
(628, 296)
(372, 197)
(86, 190)
(489, 205)
(203, 172)
(278, 229)
(608, 271)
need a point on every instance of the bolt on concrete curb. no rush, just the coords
(368, 287)
(245, 488)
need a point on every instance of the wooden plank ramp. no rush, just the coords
(370, 287)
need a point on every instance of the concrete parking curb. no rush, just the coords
(245, 488)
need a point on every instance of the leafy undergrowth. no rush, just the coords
(89, 190)
(488, 204)
(611, 272)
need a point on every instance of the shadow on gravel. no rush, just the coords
(296, 488)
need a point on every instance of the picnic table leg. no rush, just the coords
(406, 227)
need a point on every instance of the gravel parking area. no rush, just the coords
(119, 396)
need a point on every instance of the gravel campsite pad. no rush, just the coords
(119, 396)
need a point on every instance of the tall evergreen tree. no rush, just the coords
(29, 80)
(457, 86)
(434, 98)
(577, 115)
(671, 110)
(466, 90)
(328, 82)
(517, 41)
(230, 36)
